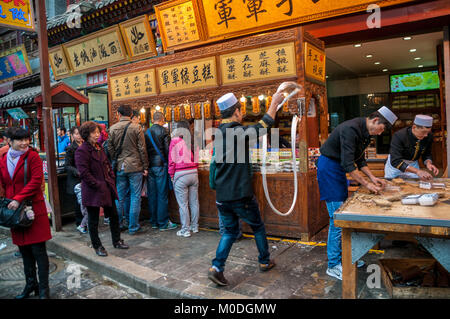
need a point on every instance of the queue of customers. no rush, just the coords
(112, 173)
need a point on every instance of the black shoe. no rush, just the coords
(101, 251)
(217, 277)
(121, 245)
(267, 267)
(44, 293)
(29, 288)
(123, 228)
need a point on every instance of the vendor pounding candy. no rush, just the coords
(342, 153)
(407, 146)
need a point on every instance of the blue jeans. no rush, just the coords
(222, 227)
(129, 183)
(157, 193)
(334, 246)
(126, 212)
(248, 211)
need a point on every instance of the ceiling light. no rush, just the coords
(377, 63)
(261, 97)
(357, 45)
(385, 70)
(369, 56)
(420, 66)
(412, 50)
(157, 108)
(142, 110)
(243, 99)
(407, 38)
(326, 77)
(418, 58)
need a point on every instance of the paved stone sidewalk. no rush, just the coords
(63, 281)
(164, 265)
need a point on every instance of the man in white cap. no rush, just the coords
(407, 146)
(233, 180)
(342, 153)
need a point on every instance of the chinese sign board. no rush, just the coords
(14, 64)
(258, 64)
(314, 63)
(58, 61)
(16, 14)
(17, 114)
(194, 74)
(228, 18)
(133, 85)
(96, 51)
(138, 38)
(97, 78)
(179, 23)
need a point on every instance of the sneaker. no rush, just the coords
(106, 221)
(217, 277)
(184, 233)
(139, 231)
(267, 267)
(169, 226)
(154, 226)
(360, 263)
(194, 229)
(335, 272)
(82, 229)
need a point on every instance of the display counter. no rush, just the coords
(303, 223)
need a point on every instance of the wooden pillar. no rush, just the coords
(49, 141)
(447, 87)
(348, 269)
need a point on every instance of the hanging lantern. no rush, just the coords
(216, 110)
(243, 102)
(197, 111)
(256, 108)
(177, 113)
(168, 113)
(187, 111)
(207, 110)
(142, 115)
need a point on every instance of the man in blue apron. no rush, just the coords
(407, 146)
(342, 153)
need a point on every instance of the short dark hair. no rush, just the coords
(87, 128)
(134, 114)
(158, 116)
(125, 110)
(227, 113)
(17, 133)
(73, 129)
(62, 128)
(381, 119)
(3, 133)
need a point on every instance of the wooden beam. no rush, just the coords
(47, 114)
(348, 269)
(446, 45)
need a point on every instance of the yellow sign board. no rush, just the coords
(178, 22)
(16, 14)
(138, 37)
(96, 51)
(58, 61)
(314, 62)
(259, 64)
(191, 75)
(133, 85)
(228, 18)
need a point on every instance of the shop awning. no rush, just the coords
(61, 93)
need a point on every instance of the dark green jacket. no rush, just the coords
(233, 178)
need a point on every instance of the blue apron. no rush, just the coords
(333, 183)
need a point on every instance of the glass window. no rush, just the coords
(98, 107)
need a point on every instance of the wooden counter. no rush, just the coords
(308, 218)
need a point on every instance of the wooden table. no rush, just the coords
(364, 225)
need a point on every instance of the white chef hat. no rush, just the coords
(423, 120)
(388, 114)
(226, 101)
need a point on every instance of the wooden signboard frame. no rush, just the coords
(141, 19)
(20, 48)
(63, 56)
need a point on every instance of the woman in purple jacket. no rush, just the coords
(97, 186)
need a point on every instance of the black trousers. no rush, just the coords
(93, 217)
(32, 254)
(78, 214)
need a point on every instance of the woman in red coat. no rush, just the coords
(31, 241)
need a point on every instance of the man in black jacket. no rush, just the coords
(158, 176)
(233, 180)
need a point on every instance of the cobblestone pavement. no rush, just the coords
(68, 280)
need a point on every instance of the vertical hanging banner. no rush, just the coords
(314, 63)
(16, 14)
(138, 37)
(179, 23)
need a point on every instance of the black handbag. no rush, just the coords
(18, 218)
